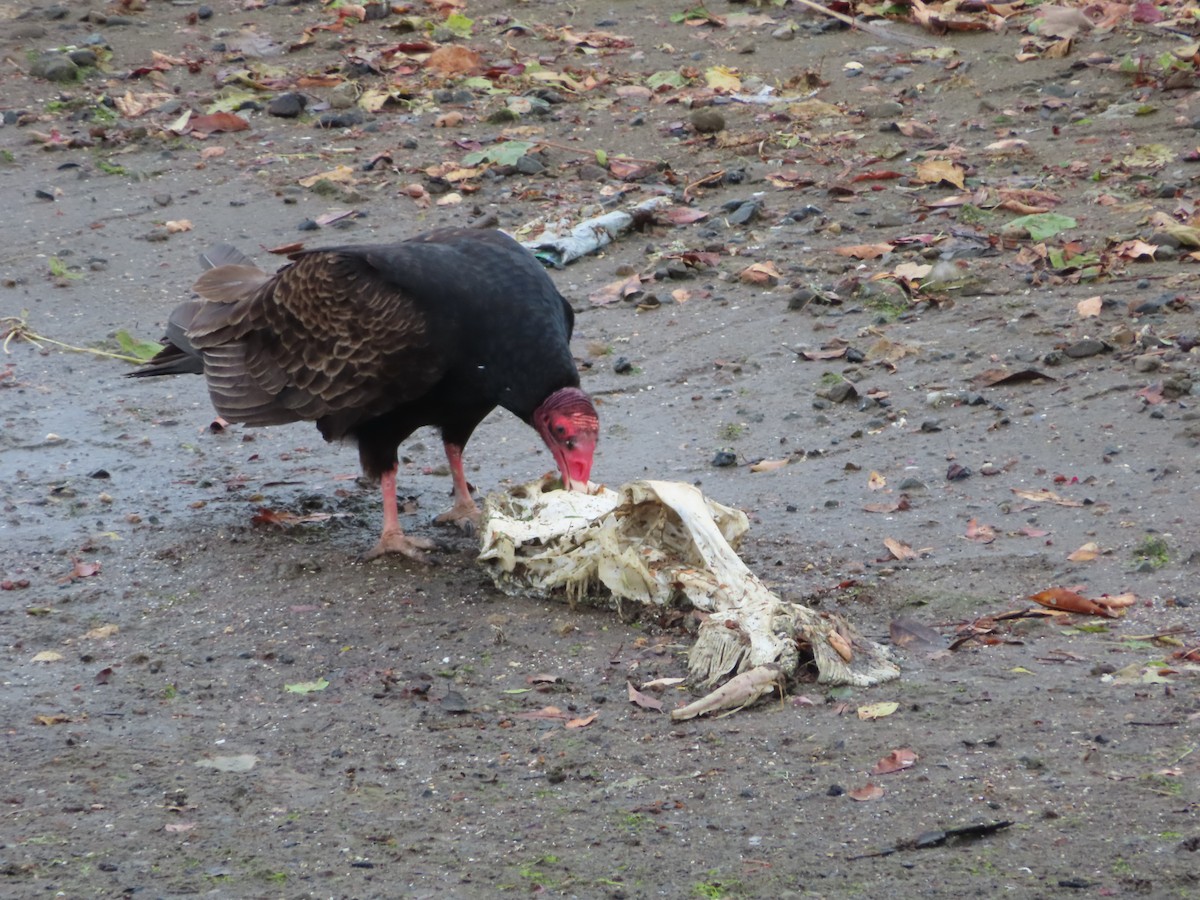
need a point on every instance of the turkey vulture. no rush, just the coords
(372, 342)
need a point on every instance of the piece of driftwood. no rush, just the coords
(660, 543)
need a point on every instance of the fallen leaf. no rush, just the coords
(899, 550)
(582, 722)
(981, 534)
(659, 684)
(763, 273)
(1089, 308)
(896, 761)
(1119, 601)
(337, 175)
(54, 719)
(872, 711)
(768, 465)
(1086, 553)
(47, 656)
(177, 226)
(217, 122)
(1066, 600)
(875, 481)
(936, 171)
(643, 700)
(306, 687)
(1045, 496)
(178, 827)
(101, 631)
(864, 251)
(455, 59)
(865, 793)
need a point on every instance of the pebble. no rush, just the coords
(842, 392)
(707, 120)
(1085, 348)
(204, 13)
(622, 366)
(287, 106)
(888, 109)
(745, 213)
(83, 57)
(345, 119)
(724, 458)
(785, 32)
(54, 67)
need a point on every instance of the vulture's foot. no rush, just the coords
(464, 516)
(399, 542)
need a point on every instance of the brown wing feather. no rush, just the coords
(320, 339)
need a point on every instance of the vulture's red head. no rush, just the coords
(568, 423)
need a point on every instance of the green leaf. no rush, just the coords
(506, 154)
(666, 77)
(601, 158)
(459, 24)
(131, 346)
(306, 687)
(1042, 226)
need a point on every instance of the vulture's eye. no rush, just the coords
(571, 444)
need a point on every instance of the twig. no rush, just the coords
(15, 327)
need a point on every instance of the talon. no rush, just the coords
(399, 542)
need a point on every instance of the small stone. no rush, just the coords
(707, 120)
(54, 67)
(723, 459)
(346, 119)
(1147, 363)
(203, 13)
(308, 225)
(287, 106)
(745, 213)
(842, 392)
(622, 366)
(888, 109)
(784, 32)
(163, 199)
(83, 57)
(1082, 349)
(931, 426)
(529, 165)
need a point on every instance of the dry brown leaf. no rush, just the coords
(865, 793)
(763, 273)
(643, 700)
(980, 534)
(1066, 600)
(875, 481)
(217, 122)
(1045, 496)
(582, 722)
(899, 549)
(1090, 307)
(455, 60)
(768, 465)
(864, 251)
(936, 171)
(1086, 553)
(896, 761)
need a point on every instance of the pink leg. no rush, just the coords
(464, 513)
(393, 539)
